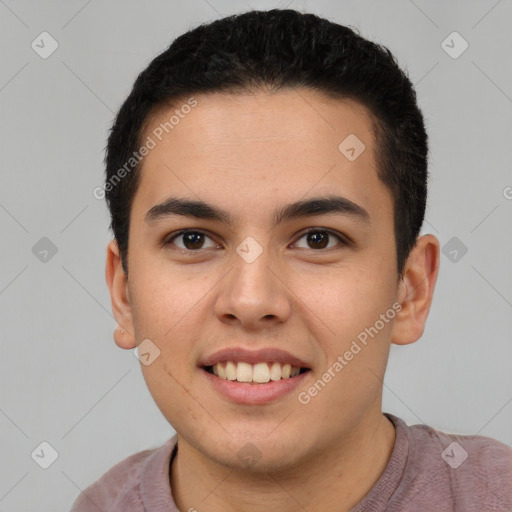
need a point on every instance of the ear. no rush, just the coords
(117, 282)
(416, 290)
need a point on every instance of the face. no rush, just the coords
(298, 285)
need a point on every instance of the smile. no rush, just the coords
(259, 373)
(239, 381)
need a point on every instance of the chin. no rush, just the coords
(253, 451)
(253, 460)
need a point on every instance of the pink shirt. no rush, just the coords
(428, 470)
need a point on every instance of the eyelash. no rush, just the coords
(344, 241)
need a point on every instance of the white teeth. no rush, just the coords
(243, 372)
(230, 370)
(275, 371)
(221, 371)
(259, 373)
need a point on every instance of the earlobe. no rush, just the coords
(117, 283)
(124, 339)
(416, 290)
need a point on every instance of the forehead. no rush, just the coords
(268, 148)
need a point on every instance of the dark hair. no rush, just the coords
(279, 49)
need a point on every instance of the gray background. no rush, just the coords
(62, 378)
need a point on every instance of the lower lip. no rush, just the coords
(254, 394)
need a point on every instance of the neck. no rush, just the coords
(332, 481)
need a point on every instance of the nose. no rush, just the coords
(254, 294)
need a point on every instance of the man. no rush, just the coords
(267, 182)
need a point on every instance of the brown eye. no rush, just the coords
(318, 239)
(191, 240)
(194, 241)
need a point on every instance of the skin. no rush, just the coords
(250, 154)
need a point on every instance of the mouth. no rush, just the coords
(254, 374)
(254, 377)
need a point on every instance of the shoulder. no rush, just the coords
(456, 450)
(475, 468)
(119, 488)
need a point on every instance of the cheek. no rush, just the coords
(160, 299)
(165, 309)
(351, 302)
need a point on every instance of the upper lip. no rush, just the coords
(240, 354)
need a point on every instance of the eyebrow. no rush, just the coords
(305, 208)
